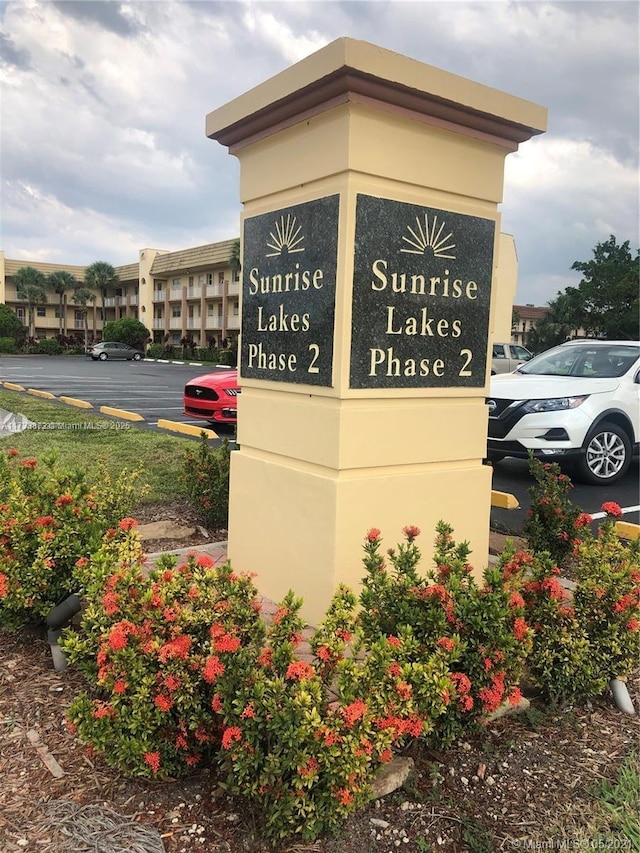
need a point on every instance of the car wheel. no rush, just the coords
(606, 456)
(137, 357)
(103, 356)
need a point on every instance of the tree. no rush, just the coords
(235, 260)
(562, 321)
(128, 330)
(10, 325)
(81, 296)
(62, 281)
(608, 292)
(31, 285)
(99, 276)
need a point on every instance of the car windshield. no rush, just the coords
(584, 360)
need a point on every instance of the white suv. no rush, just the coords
(578, 402)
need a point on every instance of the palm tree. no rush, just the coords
(61, 281)
(31, 285)
(81, 296)
(235, 261)
(99, 276)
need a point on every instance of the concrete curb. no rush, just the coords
(186, 429)
(80, 404)
(121, 413)
(11, 386)
(46, 395)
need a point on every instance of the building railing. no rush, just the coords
(175, 323)
(233, 288)
(213, 323)
(215, 290)
(158, 322)
(194, 292)
(158, 295)
(133, 299)
(109, 301)
(233, 322)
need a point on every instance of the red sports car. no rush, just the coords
(213, 397)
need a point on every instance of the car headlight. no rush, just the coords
(555, 404)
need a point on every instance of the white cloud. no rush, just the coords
(103, 112)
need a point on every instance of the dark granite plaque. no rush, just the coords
(289, 292)
(421, 296)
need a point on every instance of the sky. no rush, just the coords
(103, 105)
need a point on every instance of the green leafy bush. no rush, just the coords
(553, 524)
(585, 637)
(49, 346)
(206, 479)
(50, 518)
(146, 644)
(156, 351)
(8, 346)
(482, 625)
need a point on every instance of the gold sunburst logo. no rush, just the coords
(429, 235)
(287, 237)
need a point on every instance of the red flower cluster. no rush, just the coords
(300, 670)
(212, 669)
(153, 760)
(373, 535)
(64, 500)
(231, 734)
(127, 524)
(446, 643)
(463, 690)
(353, 712)
(411, 532)
(4, 585)
(611, 508)
(491, 697)
(178, 648)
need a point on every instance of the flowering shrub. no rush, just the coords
(481, 626)
(302, 737)
(554, 524)
(184, 667)
(586, 637)
(49, 518)
(206, 479)
(151, 644)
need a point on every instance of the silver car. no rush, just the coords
(113, 349)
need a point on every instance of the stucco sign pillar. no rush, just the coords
(370, 184)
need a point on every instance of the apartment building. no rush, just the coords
(524, 318)
(192, 293)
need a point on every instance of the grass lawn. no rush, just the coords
(160, 456)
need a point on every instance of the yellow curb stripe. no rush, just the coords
(81, 404)
(504, 500)
(46, 395)
(627, 530)
(12, 386)
(121, 413)
(187, 429)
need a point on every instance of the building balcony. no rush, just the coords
(233, 288)
(175, 323)
(215, 290)
(133, 299)
(109, 301)
(233, 322)
(193, 322)
(158, 295)
(194, 292)
(213, 323)
(175, 295)
(158, 322)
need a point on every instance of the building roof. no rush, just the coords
(128, 272)
(192, 260)
(12, 266)
(530, 312)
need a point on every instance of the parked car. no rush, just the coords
(578, 402)
(113, 349)
(506, 357)
(213, 396)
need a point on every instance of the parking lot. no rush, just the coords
(153, 389)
